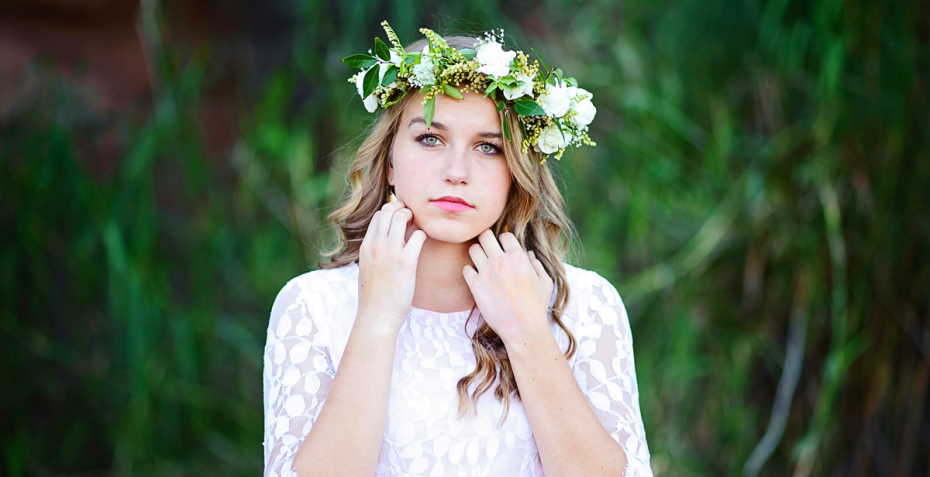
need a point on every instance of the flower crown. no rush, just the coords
(552, 110)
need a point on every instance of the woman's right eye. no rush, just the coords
(423, 139)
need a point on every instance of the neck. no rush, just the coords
(440, 284)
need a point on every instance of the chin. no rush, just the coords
(444, 232)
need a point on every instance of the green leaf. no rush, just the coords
(389, 76)
(506, 125)
(452, 91)
(528, 107)
(412, 58)
(370, 82)
(555, 77)
(490, 89)
(360, 61)
(501, 105)
(508, 81)
(468, 53)
(381, 49)
(428, 110)
(551, 79)
(571, 82)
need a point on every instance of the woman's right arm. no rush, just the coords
(346, 438)
(346, 434)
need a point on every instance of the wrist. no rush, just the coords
(525, 340)
(375, 330)
(378, 324)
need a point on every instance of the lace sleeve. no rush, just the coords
(297, 374)
(606, 373)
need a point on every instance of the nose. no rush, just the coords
(455, 168)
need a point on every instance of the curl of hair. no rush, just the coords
(535, 214)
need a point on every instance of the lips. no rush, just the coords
(452, 203)
(453, 199)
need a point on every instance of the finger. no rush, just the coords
(372, 227)
(409, 229)
(414, 245)
(537, 265)
(510, 243)
(399, 225)
(489, 244)
(392, 205)
(477, 256)
(387, 211)
(471, 276)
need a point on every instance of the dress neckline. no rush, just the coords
(422, 311)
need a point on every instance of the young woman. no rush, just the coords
(449, 282)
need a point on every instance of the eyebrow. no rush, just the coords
(441, 126)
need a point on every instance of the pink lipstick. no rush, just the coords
(452, 204)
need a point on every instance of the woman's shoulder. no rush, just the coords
(320, 284)
(596, 295)
(319, 293)
(323, 278)
(583, 278)
(589, 287)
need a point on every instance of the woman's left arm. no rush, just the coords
(605, 437)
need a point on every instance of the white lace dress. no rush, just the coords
(311, 319)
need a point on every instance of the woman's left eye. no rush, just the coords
(491, 148)
(434, 141)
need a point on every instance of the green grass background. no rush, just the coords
(759, 196)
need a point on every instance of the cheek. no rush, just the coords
(504, 183)
(407, 175)
(498, 190)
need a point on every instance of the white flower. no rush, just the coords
(584, 113)
(371, 102)
(423, 74)
(525, 89)
(582, 106)
(556, 100)
(494, 61)
(580, 94)
(551, 140)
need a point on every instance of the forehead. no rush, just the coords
(473, 112)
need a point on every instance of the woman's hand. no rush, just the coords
(388, 267)
(510, 287)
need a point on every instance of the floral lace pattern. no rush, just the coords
(309, 327)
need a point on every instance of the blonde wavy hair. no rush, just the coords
(534, 213)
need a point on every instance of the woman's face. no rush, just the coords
(461, 155)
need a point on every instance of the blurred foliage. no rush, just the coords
(759, 196)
